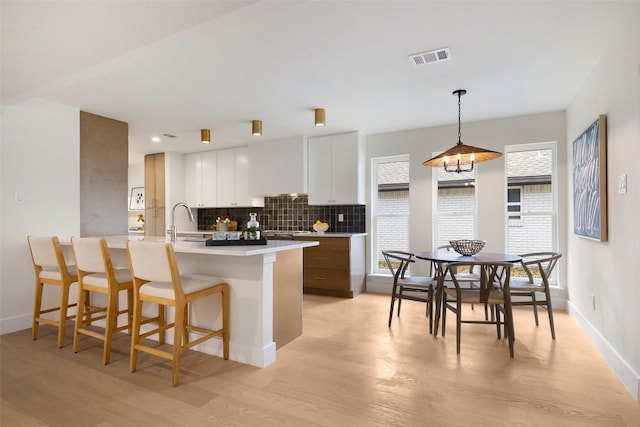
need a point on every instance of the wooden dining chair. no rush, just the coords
(96, 273)
(493, 290)
(538, 267)
(156, 280)
(398, 263)
(51, 268)
(466, 275)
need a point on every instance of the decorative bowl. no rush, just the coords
(320, 228)
(467, 247)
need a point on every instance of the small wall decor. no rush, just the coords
(590, 181)
(137, 199)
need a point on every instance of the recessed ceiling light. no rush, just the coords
(155, 139)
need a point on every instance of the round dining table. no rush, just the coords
(441, 258)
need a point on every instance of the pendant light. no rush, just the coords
(205, 136)
(256, 127)
(461, 157)
(320, 119)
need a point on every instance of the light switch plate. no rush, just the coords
(622, 184)
(19, 197)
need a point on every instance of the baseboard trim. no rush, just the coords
(623, 370)
(16, 323)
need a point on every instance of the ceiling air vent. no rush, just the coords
(424, 58)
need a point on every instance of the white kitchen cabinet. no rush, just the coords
(336, 170)
(200, 179)
(233, 179)
(278, 167)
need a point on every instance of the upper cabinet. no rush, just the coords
(200, 179)
(278, 167)
(218, 179)
(336, 170)
(233, 179)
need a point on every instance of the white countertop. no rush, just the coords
(181, 246)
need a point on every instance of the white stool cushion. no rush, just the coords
(53, 273)
(190, 283)
(100, 279)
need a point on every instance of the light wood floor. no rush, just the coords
(348, 369)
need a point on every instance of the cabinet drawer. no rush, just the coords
(329, 243)
(326, 279)
(317, 257)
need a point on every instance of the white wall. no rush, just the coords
(490, 181)
(40, 157)
(609, 270)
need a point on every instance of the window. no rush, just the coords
(532, 192)
(390, 208)
(454, 206)
(514, 203)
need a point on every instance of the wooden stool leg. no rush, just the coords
(225, 322)
(37, 307)
(178, 340)
(185, 330)
(161, 322)
(64, 303)
(110, 325)
(135, 337)
(81, 312)
(129, 310)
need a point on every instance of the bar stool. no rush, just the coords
(51, 268)
(156, 280)
(97, 274)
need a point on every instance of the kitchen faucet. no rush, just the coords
(174, 229)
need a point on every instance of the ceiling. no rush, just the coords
(175, 67)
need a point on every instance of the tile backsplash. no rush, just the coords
(290, 213)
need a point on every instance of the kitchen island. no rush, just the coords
(265, 308)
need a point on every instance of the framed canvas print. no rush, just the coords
(137, 199)
(590, 181)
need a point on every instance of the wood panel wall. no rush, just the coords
(104, 161)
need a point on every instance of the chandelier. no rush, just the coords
(461, 157)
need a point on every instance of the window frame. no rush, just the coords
(375, 161)
(537, 146)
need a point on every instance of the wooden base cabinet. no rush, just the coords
(336, 267)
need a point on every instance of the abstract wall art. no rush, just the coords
(590, 181)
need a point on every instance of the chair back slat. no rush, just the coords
(398, 262)
(543, 262)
